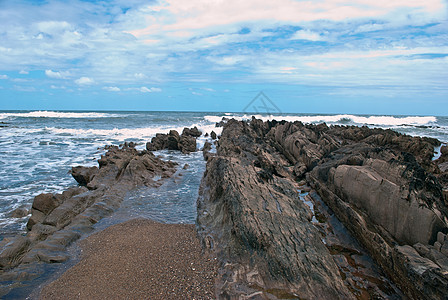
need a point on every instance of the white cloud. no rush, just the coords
(3, 76)
(57, 75)
(23, 72)
(55, 87)
(144, 89)
(140, 76)
(307, 35)
(208, 89)
(84, 81)
(111, 88)
(202, 41)
(185, 18)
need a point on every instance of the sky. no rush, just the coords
(321, 56)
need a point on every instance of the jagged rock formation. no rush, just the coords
(382, 185)
(186, 142)
(262, 230)
(58, 220)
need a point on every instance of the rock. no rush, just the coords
(173, 139)
(444, 248)
(213, 135)
(437, 246)
(382, 185)
(19, 212)
(206, 150)
(45, 203)
(187, 144)
(83, 175)
(159, 142)
(194, 132)
(12, 251)
(421, 249)
(58, 220)
(186, 166)
(36, 217)
(258, 227)
(441, 237)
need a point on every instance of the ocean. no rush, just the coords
(38, 148)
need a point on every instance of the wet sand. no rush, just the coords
(138, 259)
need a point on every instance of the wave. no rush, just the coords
(339, 119)
(56, 114)
(127, 133)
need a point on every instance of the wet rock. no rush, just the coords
(187, 144)
(382, 185)
(213, 135)
(19, 212)
(173, 141)
(58, 220)
(12, 251)
(45, 203)
(194, 132)
(158, 142)
(261, 231)
(83, 175)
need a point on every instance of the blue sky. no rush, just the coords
(327, 56)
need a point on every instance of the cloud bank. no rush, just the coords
(125, 46)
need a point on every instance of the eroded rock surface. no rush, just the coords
(253, 216)
(384, 186)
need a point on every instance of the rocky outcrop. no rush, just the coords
(173, 141)
(59, 219)
(384, 186)
(264, 235)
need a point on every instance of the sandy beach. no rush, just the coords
(138, 259)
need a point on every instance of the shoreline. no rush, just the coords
(139, 258)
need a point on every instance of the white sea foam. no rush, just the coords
(344, 119)
(127, 133)
(56, 114)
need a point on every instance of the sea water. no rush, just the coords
(38, 148)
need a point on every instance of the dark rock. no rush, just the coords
(13, 251)
(19, 212)
(213, 135)
(172, 142)
(382, 185)
(45, 203)
(159, 142)
(194, 132)
(58, 220)
(187, 144)
(206, 150)
(258, 227)
(83, 175)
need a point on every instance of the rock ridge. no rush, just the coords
(383, 186)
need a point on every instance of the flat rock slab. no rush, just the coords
(139, 259)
